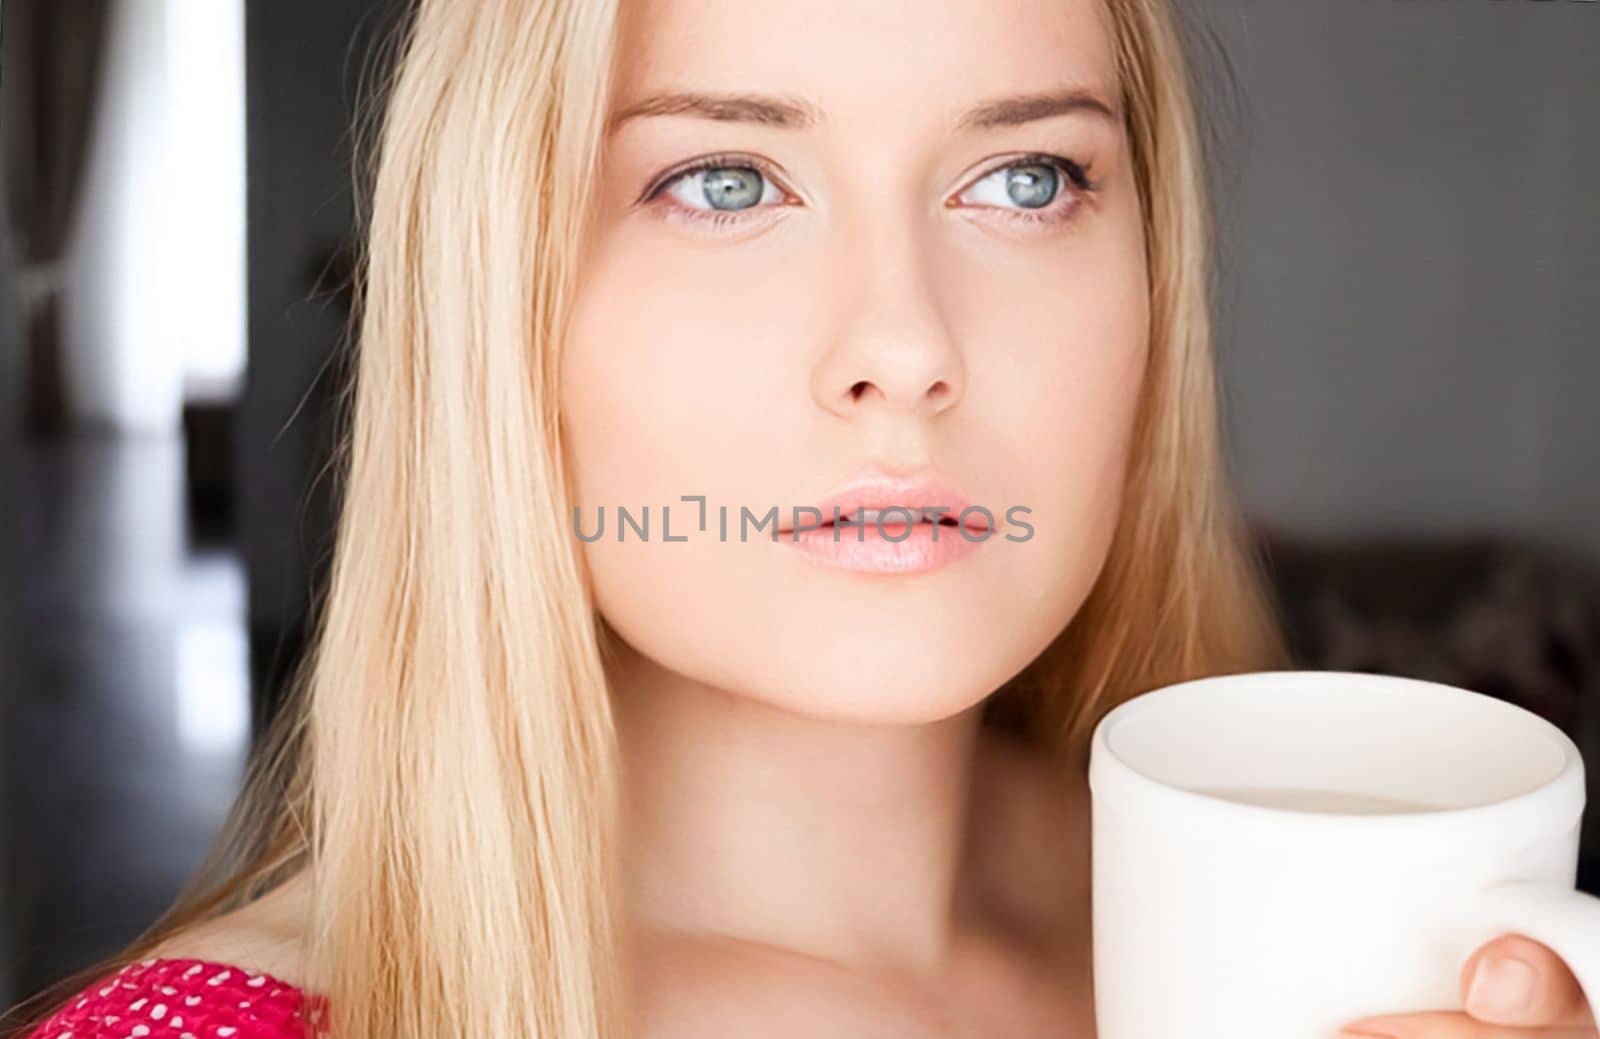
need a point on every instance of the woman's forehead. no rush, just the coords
(841, 58)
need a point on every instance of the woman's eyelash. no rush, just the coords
(710, 162)
(1075, 174)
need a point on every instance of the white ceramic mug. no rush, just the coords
(1278, 854)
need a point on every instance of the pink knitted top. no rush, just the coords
(168, 998)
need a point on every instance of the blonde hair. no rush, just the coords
(445, 765)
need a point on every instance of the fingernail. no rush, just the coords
(1500, 985)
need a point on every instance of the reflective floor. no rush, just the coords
(128, 720)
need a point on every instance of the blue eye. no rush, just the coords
(1032, 186)
(729, 187)
(1026, 189)
(718, 188)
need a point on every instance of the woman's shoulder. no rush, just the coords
(182, 998)
(238, 976)
(267, 936)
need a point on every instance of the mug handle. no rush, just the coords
(1563, 918)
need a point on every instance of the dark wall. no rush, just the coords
(1411, 243)
(306, 61)
(10, 423)
(10, 343)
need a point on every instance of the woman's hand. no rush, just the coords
(1512, 988)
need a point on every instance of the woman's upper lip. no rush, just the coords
(879, 490)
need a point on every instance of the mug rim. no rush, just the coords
(1566, 785)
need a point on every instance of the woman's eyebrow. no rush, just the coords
(1025, 108)
(790, 113)
(794, 113)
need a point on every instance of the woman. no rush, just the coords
(725, 775)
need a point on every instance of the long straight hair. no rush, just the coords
(445, 765)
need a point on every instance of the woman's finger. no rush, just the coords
(1453, 1024)
(1511, 987)
(1514, 980)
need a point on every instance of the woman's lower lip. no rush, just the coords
(887, 547)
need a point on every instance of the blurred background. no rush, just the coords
(1408, 339)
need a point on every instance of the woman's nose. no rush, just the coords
(892, 349)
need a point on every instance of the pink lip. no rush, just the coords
(876, 490)
(890, 545)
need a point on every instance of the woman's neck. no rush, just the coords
(842, 841)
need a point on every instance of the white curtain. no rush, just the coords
(155, 283)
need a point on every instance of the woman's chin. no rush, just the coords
(866, 684)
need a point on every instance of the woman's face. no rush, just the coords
(882, 271)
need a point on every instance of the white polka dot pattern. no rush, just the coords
(169, 998)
